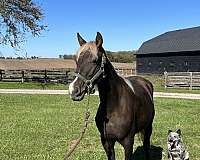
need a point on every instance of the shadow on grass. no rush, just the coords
(156, 153)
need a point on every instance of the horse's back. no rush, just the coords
(141, 85)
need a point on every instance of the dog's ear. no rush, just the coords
(178, 131)
(169, 131)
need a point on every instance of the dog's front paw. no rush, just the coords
(186, 155)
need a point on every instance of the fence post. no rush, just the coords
(45, 75)
(165, 74)
(135, 70)
(67, 77)
(1, 76)
(190, 80)
(22, 76)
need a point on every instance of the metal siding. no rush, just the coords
(173, 41)
(159, 64)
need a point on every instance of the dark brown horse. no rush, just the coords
(126, 104)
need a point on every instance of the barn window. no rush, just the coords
(140, 63)
(172, 64)
(186, 63)
(149, 63)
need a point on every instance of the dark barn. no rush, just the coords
(174, 51)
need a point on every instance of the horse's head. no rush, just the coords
(89, 67)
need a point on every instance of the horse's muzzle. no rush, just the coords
(78, 90)
(78, 96)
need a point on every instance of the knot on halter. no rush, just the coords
(89, 82)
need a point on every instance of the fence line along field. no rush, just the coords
(47, 70)
(182, 79)
(41, 127)
(58, 76)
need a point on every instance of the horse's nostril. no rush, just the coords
(76, 90)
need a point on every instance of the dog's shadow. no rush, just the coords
(156, 153)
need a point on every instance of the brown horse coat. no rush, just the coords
(126, 104)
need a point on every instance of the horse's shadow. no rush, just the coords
(156, 153)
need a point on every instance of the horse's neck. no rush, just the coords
(110, 71)
(109, 83)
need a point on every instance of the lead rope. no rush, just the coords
(75, 143)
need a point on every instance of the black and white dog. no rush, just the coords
(176, 149)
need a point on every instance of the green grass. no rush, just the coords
(42, 126)
(31, 85)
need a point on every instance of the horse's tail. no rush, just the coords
(150, 88)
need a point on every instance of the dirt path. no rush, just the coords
(33, 91)
(156, 94)
(177, 95)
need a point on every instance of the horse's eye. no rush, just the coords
(95, 61)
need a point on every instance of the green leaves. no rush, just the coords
(121, 56)
(17, 18)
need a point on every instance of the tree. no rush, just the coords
(17, 18)
(121, 56)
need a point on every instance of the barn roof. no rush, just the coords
(48, 64)
(173, 41)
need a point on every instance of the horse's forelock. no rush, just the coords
(91, 46)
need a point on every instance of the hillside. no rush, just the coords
(48, 64)
(119, 56)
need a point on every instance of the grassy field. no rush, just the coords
(41, 127)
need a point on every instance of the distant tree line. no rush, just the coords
(120, 56)
(66, 56)
(32, 57)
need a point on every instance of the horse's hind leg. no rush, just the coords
(146, 142)
(109, 148)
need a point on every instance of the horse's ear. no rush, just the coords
(169, 131)
(178, 131)
(80, 40)
(99, 39)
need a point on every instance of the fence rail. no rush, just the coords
(182, 79)
(125, 72)
(57, 76)
(60, 76)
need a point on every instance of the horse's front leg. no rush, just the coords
(127, 143)
(109, 147)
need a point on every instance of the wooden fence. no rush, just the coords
(56, 76)
(125, 72)
(182, 79)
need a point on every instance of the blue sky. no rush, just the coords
(124, 24)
